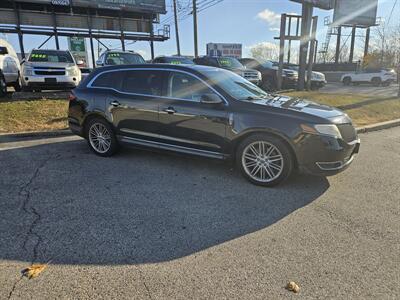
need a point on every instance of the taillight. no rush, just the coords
(71, 97)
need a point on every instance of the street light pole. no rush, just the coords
(178, 46)
(196, 49)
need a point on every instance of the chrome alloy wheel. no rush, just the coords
(262, 161)
(99, 138)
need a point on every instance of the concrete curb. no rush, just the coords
(379, 126)
(39, 134)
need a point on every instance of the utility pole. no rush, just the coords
(307, 11)
(196, 48)
(178, 46)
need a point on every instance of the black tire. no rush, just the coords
(18, 85)
(376, 81)
(286, 161)
(27, 89)
(113, 143)
(386, 83)
(3, 85)
(346, 81)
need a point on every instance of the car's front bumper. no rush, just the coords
(326, 156)
(50, 82)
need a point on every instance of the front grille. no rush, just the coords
(348, 132)
(249, 75)
(47, 73)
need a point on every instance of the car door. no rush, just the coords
(134, 106)
(186, 123)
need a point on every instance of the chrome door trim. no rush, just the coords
(166, 137)
(170, 147)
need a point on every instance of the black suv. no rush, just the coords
(214, 113)
(173, 60)
(269, 72)
(231, 64)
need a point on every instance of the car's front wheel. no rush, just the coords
(101, 138)
(346, 81)
(264, 160)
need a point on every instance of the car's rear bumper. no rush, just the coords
(75, 127)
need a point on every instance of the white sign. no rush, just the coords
(224, 49)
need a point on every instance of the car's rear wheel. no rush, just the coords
(346, 81)
(101, 137)
(264, 160)
(3, 86)
(376, 81)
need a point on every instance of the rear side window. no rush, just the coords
(143, 82)
(184, 86)
(109, 80)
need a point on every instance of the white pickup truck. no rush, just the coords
(382, 77)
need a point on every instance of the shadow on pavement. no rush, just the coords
(62, 203)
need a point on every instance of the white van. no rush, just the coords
(9, 68)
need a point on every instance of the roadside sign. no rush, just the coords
(77, 47)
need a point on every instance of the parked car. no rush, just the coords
(231, 64)
(269, 72)
(117, 58)
(214, 113)
(9, 68)
(173, 60)
(318, 79)
(376, 77)
(50, 70)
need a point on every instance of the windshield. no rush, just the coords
(235, 85)
(51, 56)
(117, 58)
(178, 60)
(229, 63)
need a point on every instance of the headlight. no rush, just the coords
(324, 129)
(28, 71)
(72, 71)
(259, 75)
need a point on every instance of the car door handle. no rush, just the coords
(115, 103)
(170, 110)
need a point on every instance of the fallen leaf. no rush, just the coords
(293, 287)
(33, 271)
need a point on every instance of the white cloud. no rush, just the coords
(274, 29)
(270, 17)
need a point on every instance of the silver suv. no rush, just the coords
(50, 69)
(114, 58)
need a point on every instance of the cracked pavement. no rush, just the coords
(145, 225)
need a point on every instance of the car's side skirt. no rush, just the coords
(175, 148)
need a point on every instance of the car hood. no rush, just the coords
(305, 106)
(48, 64)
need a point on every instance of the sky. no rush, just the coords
(248, 22)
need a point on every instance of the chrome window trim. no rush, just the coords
(89, 85)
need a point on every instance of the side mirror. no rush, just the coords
(99, 63)
(210, 99)
(80, 63)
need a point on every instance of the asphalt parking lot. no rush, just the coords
(144, 225)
